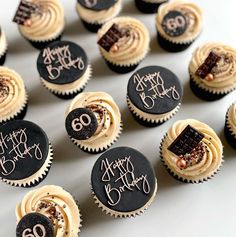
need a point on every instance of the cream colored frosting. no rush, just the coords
(133, 47)
(53, 201)
(13, 96)
(47, 25)
(154, 1)
(98, 17)
(211, 161)
(3, 43)
(69, 88)
(191, 11)
(231, 119)
(224, 72)
(108, 117)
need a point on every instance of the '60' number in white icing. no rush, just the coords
(78, 123)
(177, 22)
(90, 3)
(35, 233)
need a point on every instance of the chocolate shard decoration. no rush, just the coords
(208, 65)
(188, 139)
(24, 12)
(111, 37)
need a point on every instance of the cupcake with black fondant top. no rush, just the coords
(26, 153)
(13, 96)
(64, 69)
(3, 47)
(93, 121)
(212, 71)
(123, 43)
(178, 24)
(191, 151)
(230, 125)
(149, 6)
(154, 95)
(40, 21)
(123, 182)
(95, 13)
(51, 206)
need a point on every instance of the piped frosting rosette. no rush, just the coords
(13, 97)
(202, 163)
(224, 73)
(108, 119)
(56, 204)
(231, 119)
(132, 47)
(47, 23)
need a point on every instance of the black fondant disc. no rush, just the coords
(155, 90)
(24, 147)
(35, 224)
(97, 5)
(123, 179)
(62, 62)
(81, 123)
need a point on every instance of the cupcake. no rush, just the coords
(95, 13)
(178, 24)
(64, 69)
(40, 21)
(212, 71)
(3, 47)
(230, 125)
(123, 182)
(154, 95)
(123, 43)
(26, 153)
(93, 121)
(191, 151)
(148, 6)
(57, 205)
(13, 96)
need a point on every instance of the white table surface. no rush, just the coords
(179, 209)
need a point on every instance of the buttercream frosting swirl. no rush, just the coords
(224, 72)
(3, 43)
(55, 203)
(132, 47)
(211, 160)
(231, 118)
(48, 24)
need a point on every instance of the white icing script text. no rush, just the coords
(90, 3)
(78, 123)
(28, 232)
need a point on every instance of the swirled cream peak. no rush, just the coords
(56, 204)
(192, 14)
(210, 160)
(224, 72)
(231, 118)
(12, 93)
(132, 47)
(48, 24)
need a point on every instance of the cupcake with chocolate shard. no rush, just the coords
(230, 125)
(40, 21)
(212, 71)
(3, 47)
(49, 204)
(149, 6)
(93, 121)
(123, 182)
(94, 13)
(26, 153)
(191, 151)
(178, 24)
(154, 95)
(13, 96)
(123, 43)
(64, 69)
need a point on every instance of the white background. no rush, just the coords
(179, 209)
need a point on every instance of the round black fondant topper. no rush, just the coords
(81, 123)
(97, 5)
(24, 147)
(62, 62)
(155, 90)
(123, 179)
(174, 23)
(34, 225)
